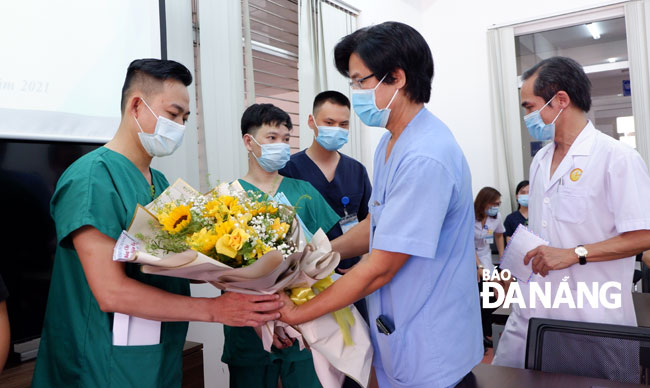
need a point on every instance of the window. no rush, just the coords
(274, 47)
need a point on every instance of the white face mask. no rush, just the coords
(167, 136)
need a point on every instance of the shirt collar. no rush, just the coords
(582, 145)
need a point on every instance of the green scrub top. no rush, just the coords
(242, 346)
(102, 190)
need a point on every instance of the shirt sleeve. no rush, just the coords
(415, 208)
(86, 196)
(362, 213)
(287, 170)
(629, 192)
(318, 213)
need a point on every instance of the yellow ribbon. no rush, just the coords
(343, 317)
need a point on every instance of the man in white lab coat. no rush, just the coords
(589, 197)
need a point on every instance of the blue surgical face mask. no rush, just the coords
(492, 211)
(365, 106)
(523, 200)
(274, 156)
(332, 138)
(536, 126)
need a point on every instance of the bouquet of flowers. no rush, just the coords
(249, 243)
(235, 228)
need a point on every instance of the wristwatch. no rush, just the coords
(582, 253)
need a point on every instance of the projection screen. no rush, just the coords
(63, 62)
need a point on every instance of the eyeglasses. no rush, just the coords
(357, 83)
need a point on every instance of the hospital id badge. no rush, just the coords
(348, 222)
(490, 237)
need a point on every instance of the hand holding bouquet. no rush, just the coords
(249, 243)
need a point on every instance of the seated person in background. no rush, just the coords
(488, 229)
(266, 132)
(519, 216)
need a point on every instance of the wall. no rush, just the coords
(456, 33)
(183, 163)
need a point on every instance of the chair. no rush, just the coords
(645, 274)
(613, 352)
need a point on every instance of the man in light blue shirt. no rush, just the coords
(420, 276)
(422, 206)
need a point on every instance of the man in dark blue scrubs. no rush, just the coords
(343, 181)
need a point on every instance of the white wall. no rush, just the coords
(457, 34)
(183, 163)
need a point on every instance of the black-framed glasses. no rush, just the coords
(357, 83)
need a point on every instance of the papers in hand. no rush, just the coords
(522, 242)
(128, 330)
(131, 331)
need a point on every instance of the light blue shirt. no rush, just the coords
(422, 205)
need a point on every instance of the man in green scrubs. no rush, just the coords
(266, 133)
(94, 201)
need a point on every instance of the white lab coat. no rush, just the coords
(610, 196)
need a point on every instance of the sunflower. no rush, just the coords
(175, 219)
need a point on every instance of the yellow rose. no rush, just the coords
(280, 228)
(230, 244)
(202, 241)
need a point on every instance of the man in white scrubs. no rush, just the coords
(589, 197)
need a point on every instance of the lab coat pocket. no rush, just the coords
(570, 206)
(136, 366)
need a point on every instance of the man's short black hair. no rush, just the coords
(148, 74)
(336, 98)
(386, 47)
(561, 73)
(257, 115)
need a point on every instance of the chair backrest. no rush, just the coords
(613, 352)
